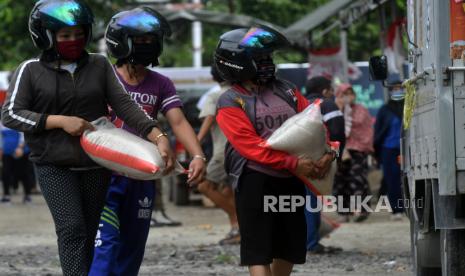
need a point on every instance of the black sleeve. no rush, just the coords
(334, 121)
(16, 111)
(381, 129)
(336, 131)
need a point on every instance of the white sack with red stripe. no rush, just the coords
(304, 135)
(123, 152)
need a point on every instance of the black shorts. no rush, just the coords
(269, 235)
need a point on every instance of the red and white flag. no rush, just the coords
(394, 50)
(329, 63)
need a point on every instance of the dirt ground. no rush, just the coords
(375, 247)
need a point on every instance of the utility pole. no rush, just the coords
(345, 54)
(197, 41)
(344, 46)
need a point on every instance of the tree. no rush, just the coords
(17, 45)
(366, 31)
(14, 35)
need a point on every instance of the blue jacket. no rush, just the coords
(10, 140)
(385, 121)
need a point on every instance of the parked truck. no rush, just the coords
(433, 136)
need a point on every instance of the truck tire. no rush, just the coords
(453, 252)
(424, 248)
(181, 191)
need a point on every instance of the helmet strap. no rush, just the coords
(51, 38)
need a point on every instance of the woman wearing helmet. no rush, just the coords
(135, 39)
(52, 99)
(257, 104)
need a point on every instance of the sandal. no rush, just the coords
(321, 249)
(233, 237)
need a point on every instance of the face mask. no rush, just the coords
(346, 100)
(71, 50)
(265, 70)
(144, 54)
(397, 95)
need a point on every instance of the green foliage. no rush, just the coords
(363, 37)
(178, 49)
(280, 12)
(16, 44)
(14, 36)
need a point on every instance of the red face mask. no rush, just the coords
(71, 50)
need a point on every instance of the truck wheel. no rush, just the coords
(453, 252)
(424, 248)
(181, 191)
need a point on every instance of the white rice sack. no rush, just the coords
(304, 135)
(123, 152)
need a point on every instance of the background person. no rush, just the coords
(12, 154)
(52, 99)
(351, 176)
(216, 186)
(125, 219)
(24, 170)
(321, 87)
(159, 216)
(388, 128)
(257, 104)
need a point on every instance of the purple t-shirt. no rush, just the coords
(155, 93)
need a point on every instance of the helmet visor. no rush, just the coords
(69, 13)
(261, 39)
(142, 21)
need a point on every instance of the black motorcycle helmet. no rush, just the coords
(215, 74)
(136, 22)
(234, 55)
(48, 16)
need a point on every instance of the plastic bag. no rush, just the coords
(327, 226)
(304, 135)
(123, 152)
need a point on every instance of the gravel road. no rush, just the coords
(375, 247)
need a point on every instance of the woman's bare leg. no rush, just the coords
(221, 200)
(260, 270)
(281, 267)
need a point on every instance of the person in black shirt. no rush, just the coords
(321, 88)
